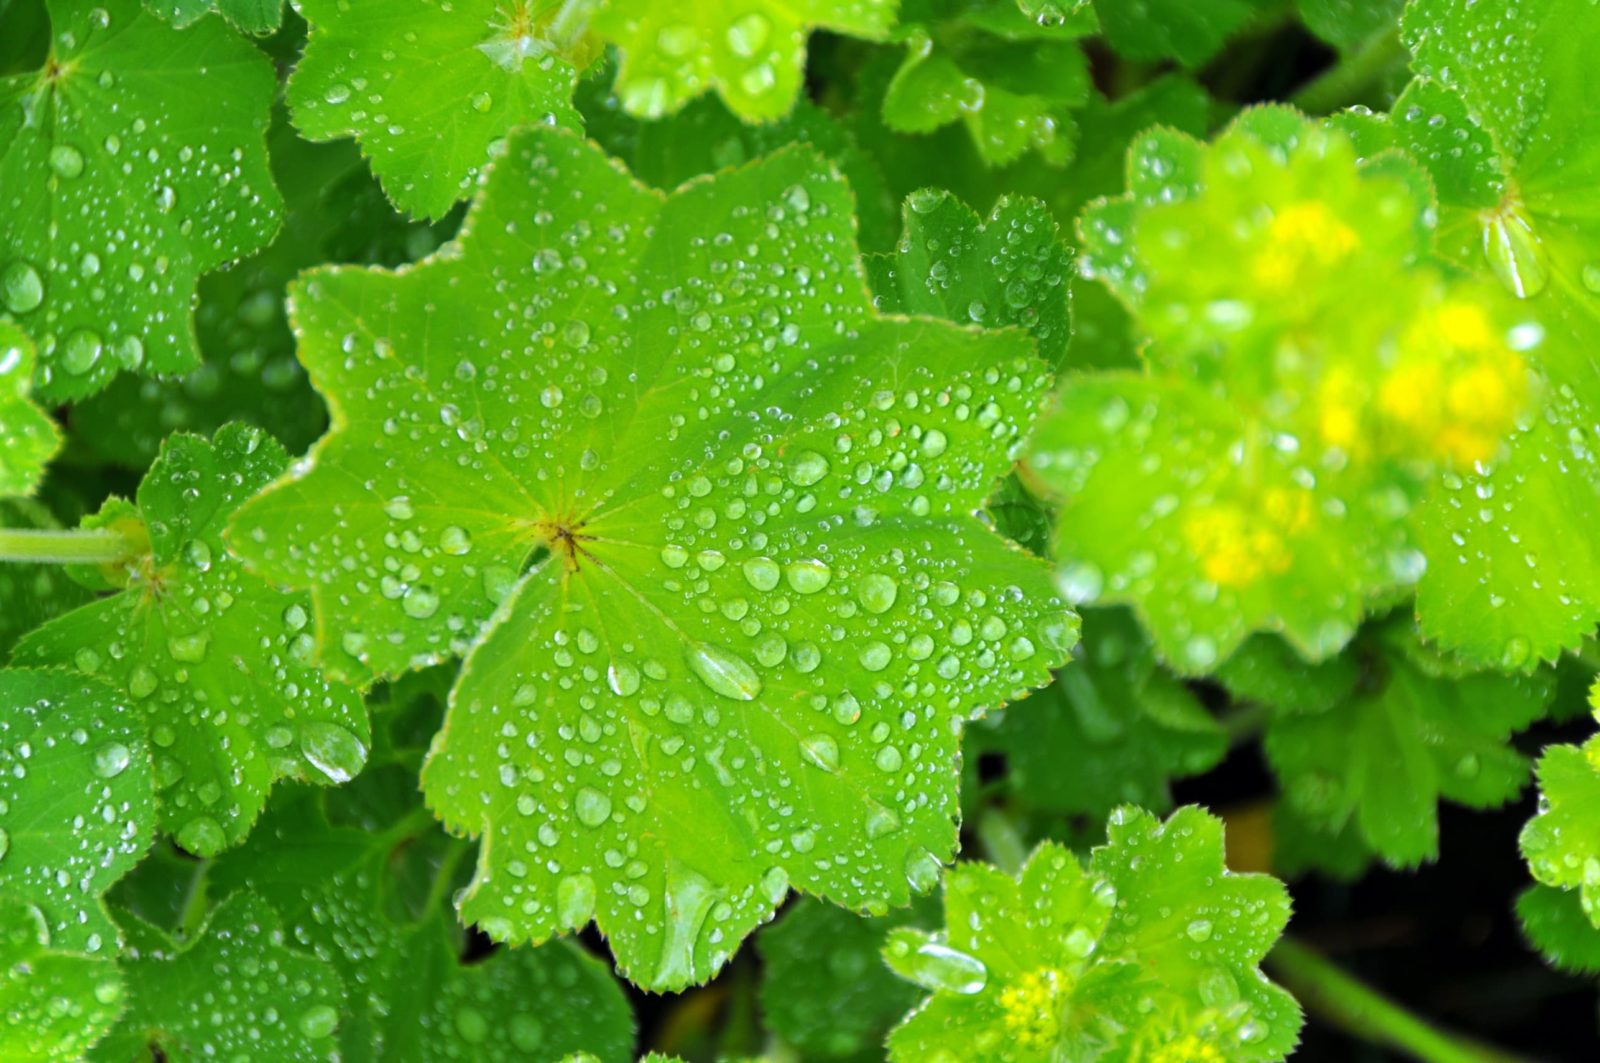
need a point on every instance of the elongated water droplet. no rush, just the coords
(1515, 253)
(724, 671)
(332, 750)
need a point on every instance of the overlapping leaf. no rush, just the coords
(77, 806)
(1148, 953)
(334, 212)
(132, 162)
(1262, 474)
(1114, 728)
(234, 991)
(431, 90)
(1414, 731)
(1562, 842)
(744, 504)
(1190, 31)
(824, 989)
(1503, 117)
(28, 437)
(1554, 922)
(54, 1004)
(1011, 79)
(251, 16)
(1011, 269)
(218, 663)
(752, 52)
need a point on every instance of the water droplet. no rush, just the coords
(472, 1026)
(5, 843)
(481, 102)
(190, 649)
(676, 40)
(1516, 652)
(622, 678)
(724, 671)
(111, 760)
(202, 836)
(878, 592)
(318, 1021)
(337, 93)
(332, 750)
(399, 508)
(142, 682)
(934, 443)
(937, 967)
(455, 540)
(591, 807)
(922, 870)
(198, 553)
(807, 577)
(1198, 930)
(575, 898)
(1080, 582)
(822, 751)
(21, 288)
(748, 33)
(1515, 253)
(807, 467)
(762, 573)
(66, 161)
(81, 351)
(419, 602)
(1591, 277)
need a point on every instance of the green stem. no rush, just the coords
(53, 547)
(1328, 992)
(1002, 840)
(1354, 76)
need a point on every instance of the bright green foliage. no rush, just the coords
(431, 94)
(1555, 923)
(1261, 474)
(824, 988)
(1009, 270)
(1114, 728)
(1508, 129)
(1562, 842)
(219, 663)
(53, 1004)
(1009, 78)
(77, 808)
(334, 212)
(234, 991)
(722, 608)
(251, 16)
(1414, 731)
(1190, 31)
(751, 51)
(369, 899)
(706, 137)
(1149, 953)
(28, 437)
(131, 163)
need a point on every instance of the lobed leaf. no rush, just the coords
(133, 161)
(77, 804)
(721, 515)
(28, 437)
(218, 663)
(54, 1004)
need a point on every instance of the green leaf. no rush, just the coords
(430, 92)
(706, 137)
(824, 989)
(1555, 923)
(1262, 474)
(745, 505)
(218, 662)
(1148, 953)
(1114, 728)
(28, 437)
(1562, 842)
(368, 899)
(234, 991)
(752, 54)
(1406, 738)
(1009, 270)
(334, 212)
(54, 1004)
(133, 162)
(1012, 80)
(77, 807)
(1509, 584)
(1190, 31)
(251, 16)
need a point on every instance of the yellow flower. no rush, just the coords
(1032, 1008)
(1301, 236)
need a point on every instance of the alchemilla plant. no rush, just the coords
(503, 502)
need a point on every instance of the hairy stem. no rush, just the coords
(1354, 77)
(56, 547)
(1327, 992)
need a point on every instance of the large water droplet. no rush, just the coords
(81, 351)
(877, 592)
(21, 288)
(591, 807)
(66, 161)
(762, 573)
(807, 577)
(938, 967)
(202, 836)
(822, 751)
(575, 898)
(111, 760)
(1515, 253)
(318, 1021)
(332, 750)
(724, 671)
(807, 467)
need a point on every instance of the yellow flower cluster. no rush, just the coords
(1301, 238)
(1032, 1008)
(1238, 546)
